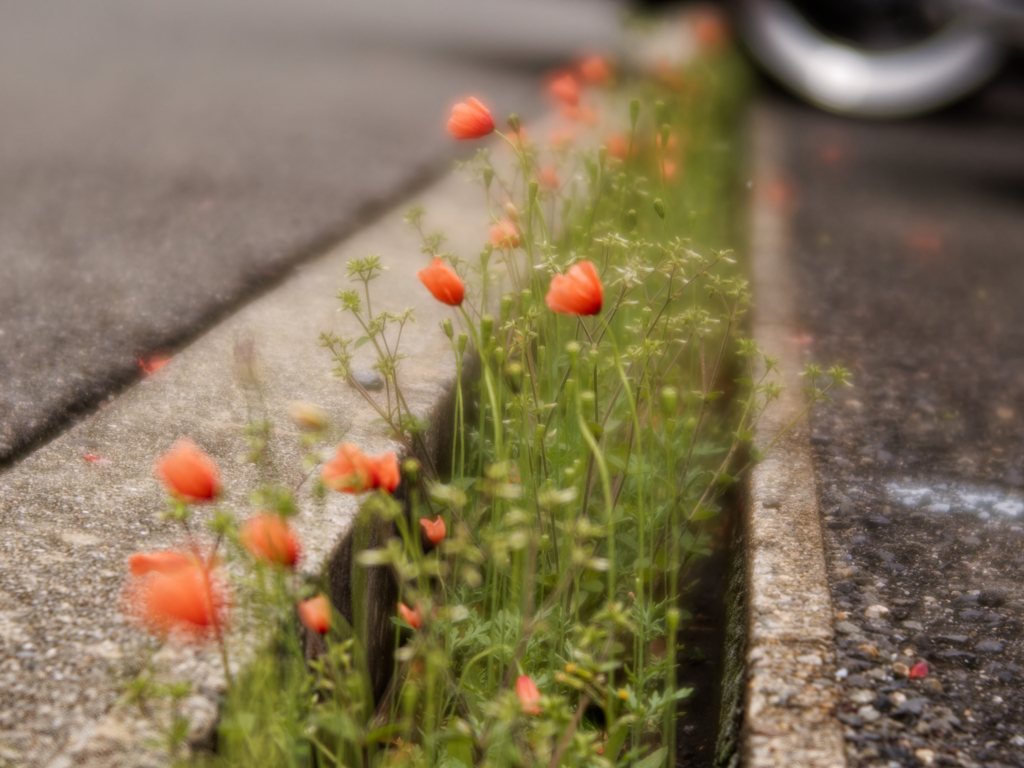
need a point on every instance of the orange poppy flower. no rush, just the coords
(443, 282)
(711, 30)
(316, 614)
(185, 601)
(669, 169)
(434, 530)
(581, 113)
(595, 69)
(565, 88)
(617, 146)
(154, 362)
(529, 695)
(577, 292)
(188, 473)
(562, 138)
(470, 120)
(549, 177)
(166, 561)
(412, 617)
(267, 537)
(348, 471)
(504, 235)
(384, 471)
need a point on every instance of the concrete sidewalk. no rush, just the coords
(162, 162)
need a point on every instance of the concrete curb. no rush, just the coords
(71, 522)
(791, 694)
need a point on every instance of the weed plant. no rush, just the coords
(606, 399)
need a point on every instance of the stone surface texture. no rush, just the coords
(70, 523)
(791, 694)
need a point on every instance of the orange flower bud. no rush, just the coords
(348, 471)
(504, 235)
(384, 471)
(596, 70)
(267, 537)
(577, 292)
(185, 600)
(188, 473)
(565, 88)
(434, 530)
(411, 617)
(443, 282)
(529, 695)
(316, 614)
(470, 120)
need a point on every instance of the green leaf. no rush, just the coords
(653, 760)
(360, 341)
(703, 513)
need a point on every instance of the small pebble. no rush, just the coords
(868, 714)
(926, 756)
(876, 611)
(368, 380)
(989, 646)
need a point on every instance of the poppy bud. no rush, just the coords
(669, 400)
(528, 695)
(443, 283)
(433, 530)
(470, 120)
(316, 614)
(513, 122)
(267, 537)
(188, 473)
(446, 326)
(659, 208)
(412, 617)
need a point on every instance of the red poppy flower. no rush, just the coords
(348, 471)
(384, 471)
(185, 601)
(565, 88)
(267, 537)
(504, 235)
(529, 695)
(188, 473)
(577, 292)
(595, 69)
(443, 282)
(412, 617)
(316, 614)
(470, 120)
(919, 670)
(434, 530)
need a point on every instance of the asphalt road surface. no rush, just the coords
(908, 239)
(161, 162)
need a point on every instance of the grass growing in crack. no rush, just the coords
(538, 578)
